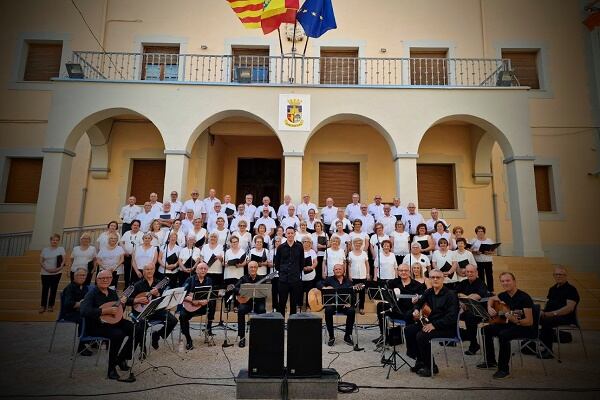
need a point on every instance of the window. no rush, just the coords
(338, 181)
(543, 192)
(160, 63)
(148, 176)
(525, 65)
(339, 66)
(23, 184)
(250, 64)
(428, 67)
(435, 185)
(43, 61)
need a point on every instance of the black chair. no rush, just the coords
(534, 338)
(61, 320)
(571, 327)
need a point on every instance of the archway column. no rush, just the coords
(292, 177)
(176, 172)
(405, 166)
(52, 197)
(523, 206)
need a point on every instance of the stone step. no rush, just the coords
(27, 267)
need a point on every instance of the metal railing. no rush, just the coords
(291, 70)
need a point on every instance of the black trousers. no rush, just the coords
(164, 316)
(319, 269)
(405, 316)
(470, 333)
(505, 333)
(117, 333)
(361, 293)
(484, 269)
(417, 342)
(306, 286)
(125, 227)
(127, 270)
(115, 279)
(331, 310)
(185, 317)
(244, 309)
(49, 287)
(288, 289)
(548, 325)
(275, 294)
(217, 279)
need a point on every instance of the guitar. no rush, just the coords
(141, 307)
(118, 316)
(189, 306)
(244, 299)
(503, 312)
(424, 313)
(315, 300)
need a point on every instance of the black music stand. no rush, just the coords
(255, 291)
(223, 325)
(337, 298)
(205, 293)
(377, 294)
(389, 297)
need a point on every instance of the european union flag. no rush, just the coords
(316, 17)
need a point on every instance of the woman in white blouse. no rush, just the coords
(111, 227)
(169, 260)
(424, 240)
(261, 230)
(400, 240)
(129, 241)
(484, 259)
(52, 261)
(199, 233)
(111, 258)
(222, 231)
(83, 256)
(333, 255)
(319, 239)
(377, 239)
(385, 264)
(357, 233)
(302, 232)
(443, 260)
(308, 272)
(176, 228)
(188, 257)
(261, 255)
(358, 269)
(342, 235)
(235, 261)
(462, 258)
(440, 232)
(243, 235)
(212, 254)
(143, 255)
(159, 236)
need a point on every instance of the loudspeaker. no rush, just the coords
(266, 346)
(304, 349)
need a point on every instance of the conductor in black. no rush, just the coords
(289, 262)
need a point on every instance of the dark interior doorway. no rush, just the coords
(261, 177)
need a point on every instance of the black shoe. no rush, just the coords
(331, 342)
(501, 374)
(242, 342)
(485, 365)
(155, 338)
(379, 339)
(473, 349)
(189, 345)
(419, 365)
(112, 374)
(348, 340)
(436, 370)
(424, 372)
(545, 355)
(123, 365)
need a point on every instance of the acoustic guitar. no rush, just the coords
(244, 300)
(189, 306)
(315, 300)
(113, 319)
(503, 312)
(147, 295)
(424, 313)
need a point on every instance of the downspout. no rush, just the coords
(495, 210)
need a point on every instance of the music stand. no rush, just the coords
(255, 291)
(389, 297)
(150, 308)
(171, 298)
(205, 293)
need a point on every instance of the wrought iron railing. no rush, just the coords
(291, 70)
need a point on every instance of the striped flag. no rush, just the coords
(275, 12)
(248, 11)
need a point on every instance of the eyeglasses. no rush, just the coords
(559, 274)
(436, 277)
(104, 278)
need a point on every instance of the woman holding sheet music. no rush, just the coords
(308, 270)
(199, 233)
(212, 254)
(143, 255)
(52, 260)
(423, 239)
(261, 255)
(243, 235)
(443, 260)
(400, 240)
(319, 239)
(462, 258)
(483, 258)
(169, 260)
(358, 269)
(440, 232)
(188, 257)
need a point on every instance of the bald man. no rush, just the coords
(338, 281)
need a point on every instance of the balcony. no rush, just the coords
(295, 70)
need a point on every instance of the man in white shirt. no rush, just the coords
(195, 204)
(156, 205)
(340, 217)
(376, 208)
(302, 210)
(282, 211)
(266, 203)
(209, 202)
(240, 216)
(211, 222)
(187, 224)
(249, 208)
(129, 213)
(367, 219)
(266, 220)
(146, 217)
(328, 213)
(413, 218)
(388, 220)
(176, 205)
(435, 217)
(166, 216)
(353, 209)
(397, 209)
(291, 219)
(228, 205)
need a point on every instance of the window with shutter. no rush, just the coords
(160, 63)
(543, 193)
(147, 176)
(23, 182)
(252, 62)
(428, 67)
(43, 61)
(338, 181)
(525, 65)
(339, 66)
(435, 184)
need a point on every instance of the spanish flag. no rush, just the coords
(248, 11)
(276, 12)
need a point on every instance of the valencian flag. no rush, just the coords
(265, 14)
(316, 17)
(248, 11)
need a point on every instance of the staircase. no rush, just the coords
(20, 288)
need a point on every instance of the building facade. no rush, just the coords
(488, 114)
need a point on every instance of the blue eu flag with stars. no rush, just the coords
(316, 17)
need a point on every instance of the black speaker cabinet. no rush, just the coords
(266, 346)
(304, 348)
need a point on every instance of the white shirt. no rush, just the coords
(400, 210)
(197, 206)
(186, 253)
(209, 204)
(282, 211)
(180, 236)
(302, 209)
(166, 252)
(441, 259)
(230, 206)
(49, 255)
(411, 221)
(159, 238)
(367, 223)
(187, 226)
(346, 224)
(207, 253)
(312, 274)
(344, 239)
(259, 212)
(234, 223)
(446, 235)
(410, 259)
(357, 265)
(244, 239)
(199, 235)
(465, 255)
(475, 244)
(353, 211)
(334, 257)
(144, 256)
(157, 207)
(401, 247)
(81, 258)
(268, 222)
(389, 224)
(365, 238)
(233, 272)
(431, 222)
(262, 270)
(249, 211)
(387, 266)
(374, 240)
(146, 219)
(223, 236)
(315, 240)
(299, 236)
(108, 259)
(176, 206)
(211, 224)
(293, 221)
(375, 210)
(328, 214)
(130, 240)
(102, 241)
(129, 213)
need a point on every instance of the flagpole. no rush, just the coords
(280, 43)
(305, 46)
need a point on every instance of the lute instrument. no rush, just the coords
(139, 307)
(503, 312)
(244, 299)
(315, 300)
(118, 316)
(189, 306)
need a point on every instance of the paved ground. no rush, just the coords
(28, 370)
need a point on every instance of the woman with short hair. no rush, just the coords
(52, 261)
(111, 258)
(83, 256)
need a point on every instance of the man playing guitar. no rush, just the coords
(245, 307)
(193, 307)
(93, 312)
(143, 292)
(338, 281)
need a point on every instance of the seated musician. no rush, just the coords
(92, 311)
(338, 281)
(560, 308)
(199, 279)
(406, 286)
(256, 306)
(471, 288)
(441, 322)
(147, 285)
(518, 324)
(73, 293)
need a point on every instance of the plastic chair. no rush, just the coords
(443, 341)
(533, 338)
(61, 320)
(571, 327)
(89, 339)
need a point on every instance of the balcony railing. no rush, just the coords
(290, 70)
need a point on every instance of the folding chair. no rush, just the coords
(571, 327)
(61, 320)
(89, 339)
(533, 338)
(443, 341)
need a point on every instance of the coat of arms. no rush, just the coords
(294, 113)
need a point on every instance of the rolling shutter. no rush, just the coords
(542, 187)
(435, 184)
(43, 61)
(339, 67)
(23, 183)
(428, 67)
(524, 64)
(338, 181)
(147, 176)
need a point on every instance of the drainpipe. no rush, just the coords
(495, 210)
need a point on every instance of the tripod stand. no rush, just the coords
(392, 361)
